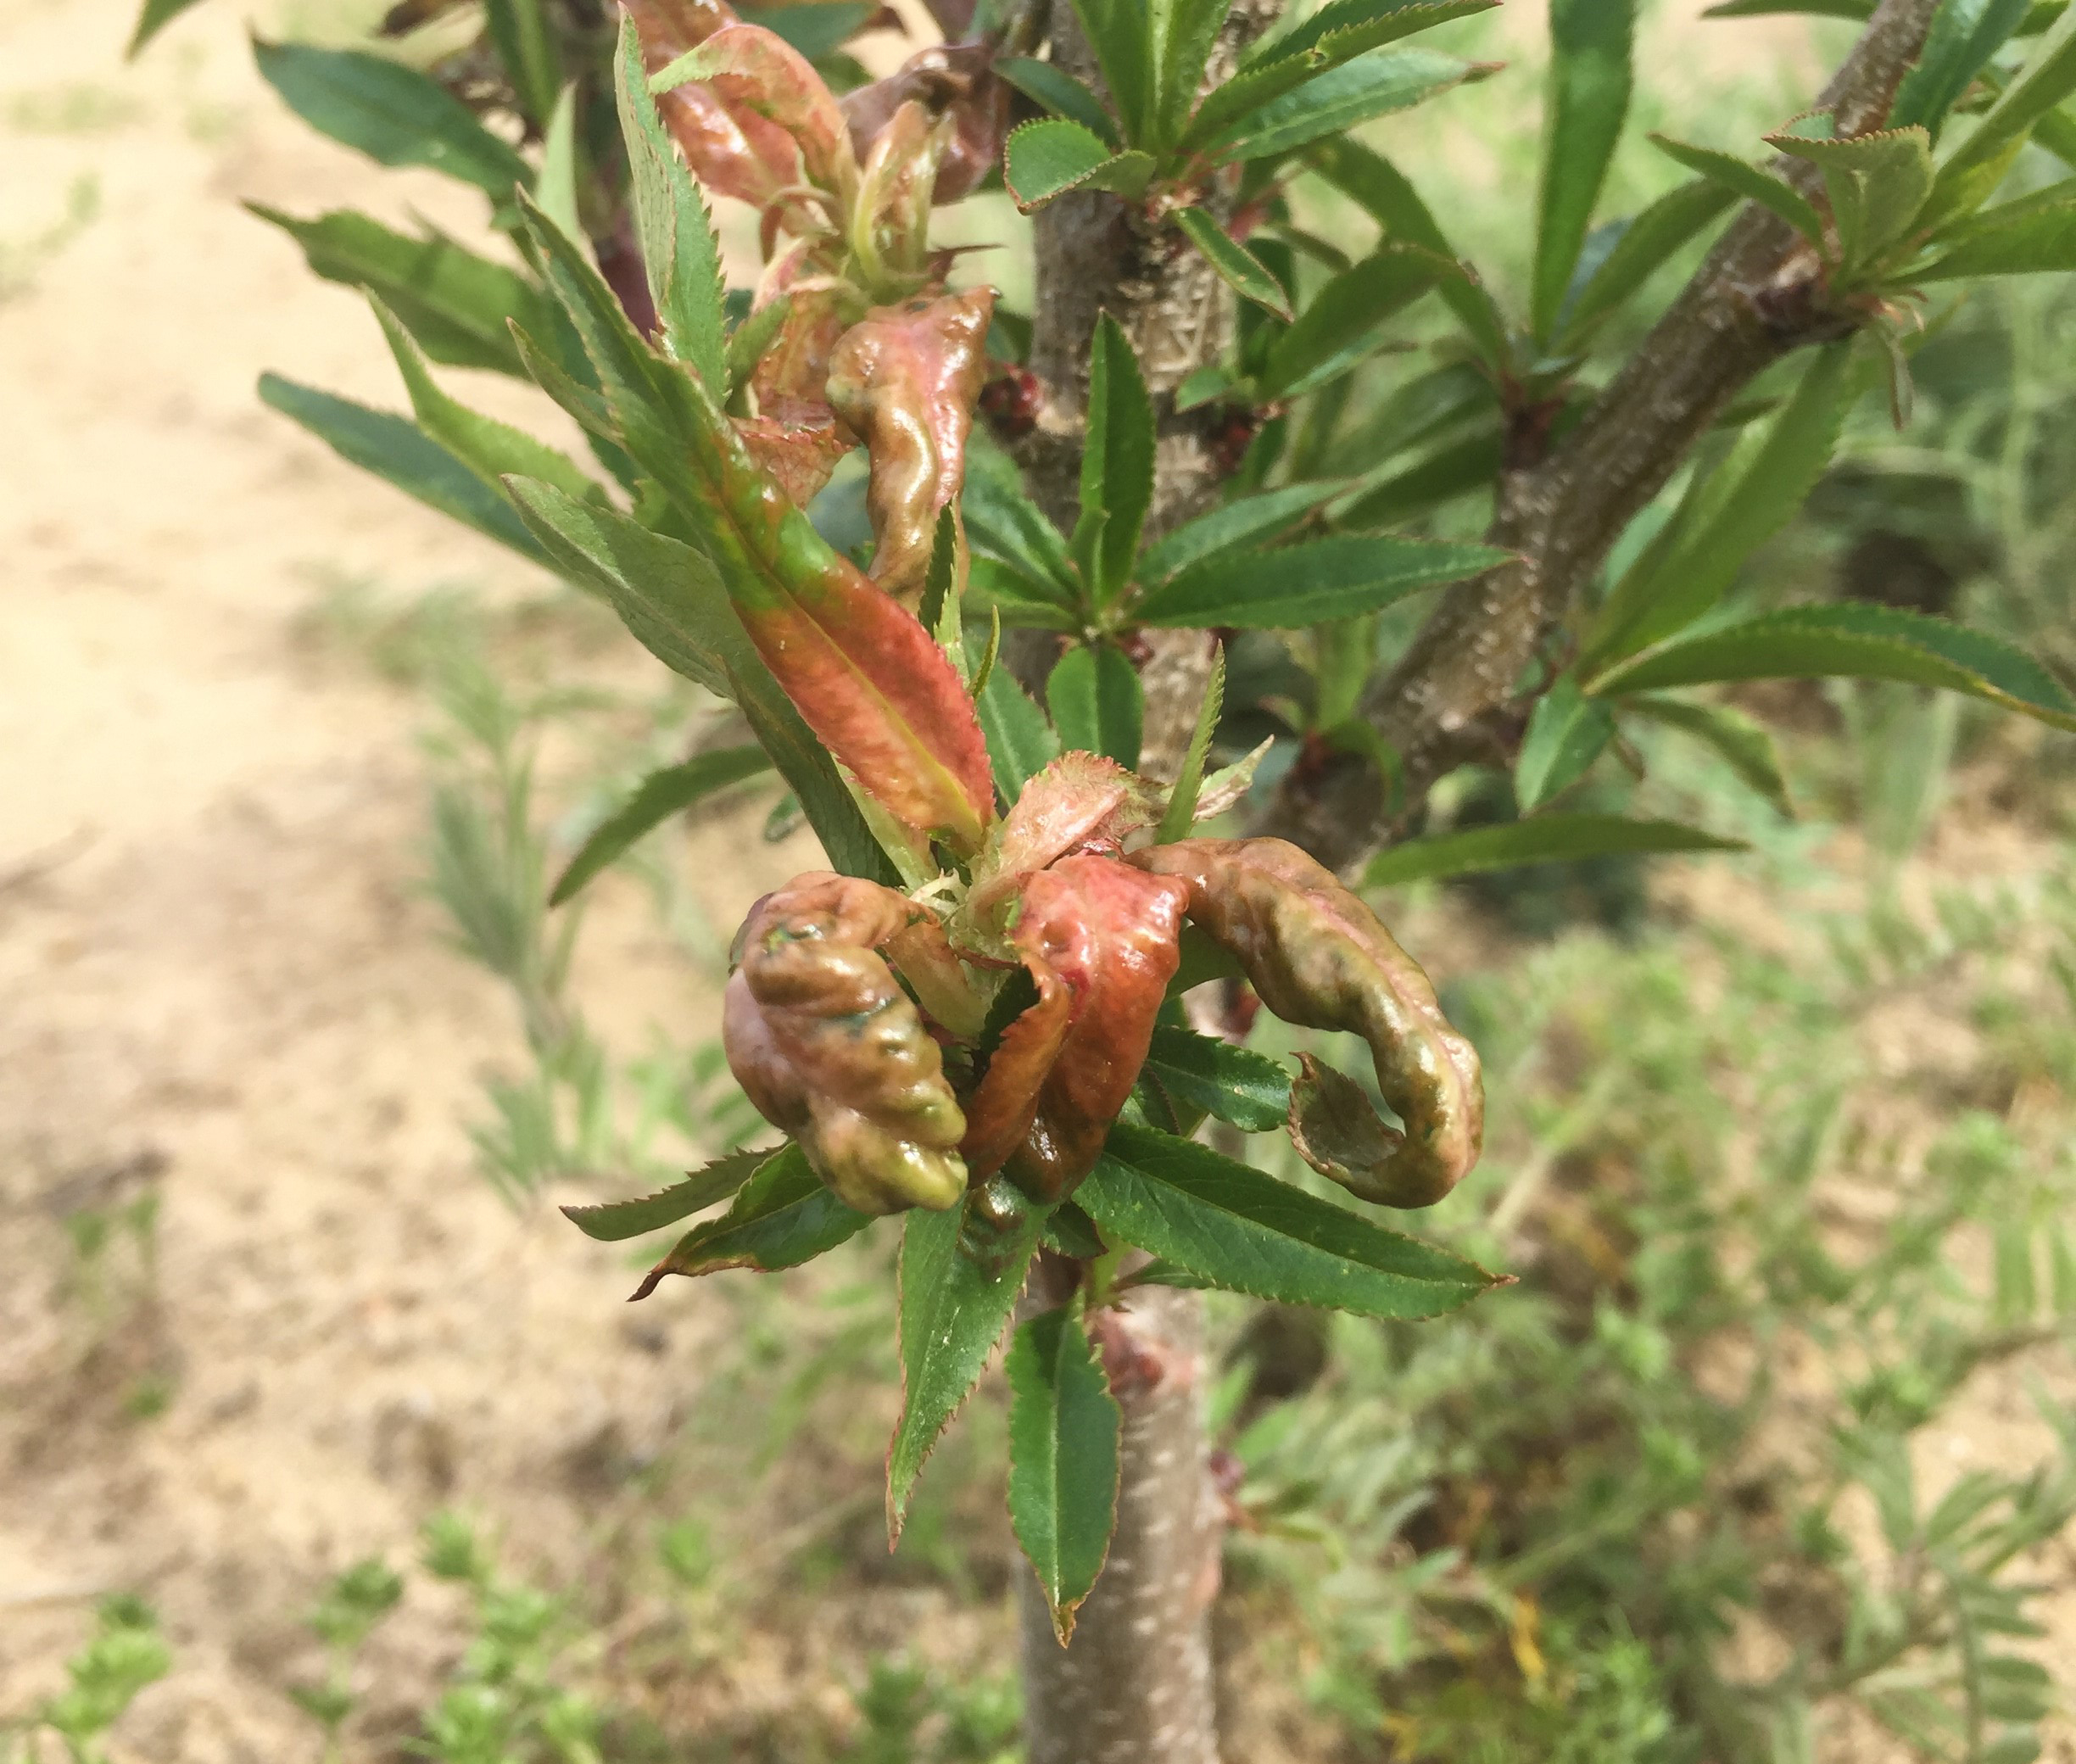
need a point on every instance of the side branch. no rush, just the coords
(1760, 295)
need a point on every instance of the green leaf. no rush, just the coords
(1020, 742)
(1543, 839)
(1239, 268)
(818, 28)
(1244, 521)
(1180, 814)
(2048, 77)
(670, 597)
(1375, 86)
(1096, 703)
(1248, 1089)
(155, 17)
(1592, 42)
(395, 114)
(1772, 468)
(675, 230)
(1249, 1233)
(2020, 239)
(1858, 10)
(993, 586)
(1342, 324)
(1567, 732)
(1045, 158)
(1745, 745)
(781, 1217)
(1185, 33)
(1061, 93)
(1877, 185)
(397, 449)
(1063, 1426)
(616, 1221)
(1860, 642)
(1311, 582)
(460, 306)
(1278, 81)
(1964, 35)
(1120, 32)
(660, 795)
(491, 447)
(1117, 464)
(1002, 520)
(1373, 181)
(1646, 243)
(526, 46)
(1749, 181)
(556, 187)
(953, 1308)
(1449, 472)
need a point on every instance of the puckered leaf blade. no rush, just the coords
(1249, 1233)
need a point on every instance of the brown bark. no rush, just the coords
(1760, 295)
(1135, 1686)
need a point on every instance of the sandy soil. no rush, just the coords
(217, 975)
(218, 978)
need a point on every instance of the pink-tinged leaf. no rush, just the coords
(741, 155)
(1104, 937)
(830, 1049)
(890, 231)
(771, 92)
(795, 363)
(1080, 802)
(905, 379)
(1322, 959)
(864, 675)
(949, 81)
(798, 443)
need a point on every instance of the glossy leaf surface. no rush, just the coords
(781, 1217)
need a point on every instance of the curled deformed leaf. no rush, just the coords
(798, 443)
(950, 81)
(795, 362)
(1080, 802)
(1102, 941)
(830, 1049)
(905, 378)
(741, 155)
(1322, 959)
(771, 94)
(889, 227)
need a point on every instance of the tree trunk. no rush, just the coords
(1135, 1686)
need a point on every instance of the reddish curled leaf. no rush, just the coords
(1080, 802)
(1100, 939)
(796, 364)
(733, 153)
(890, 228)
(947, 80)
(771, 92)
(797, 443)
(905, 379)
(830, 1049)
(1322, 959)
(865, 676)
